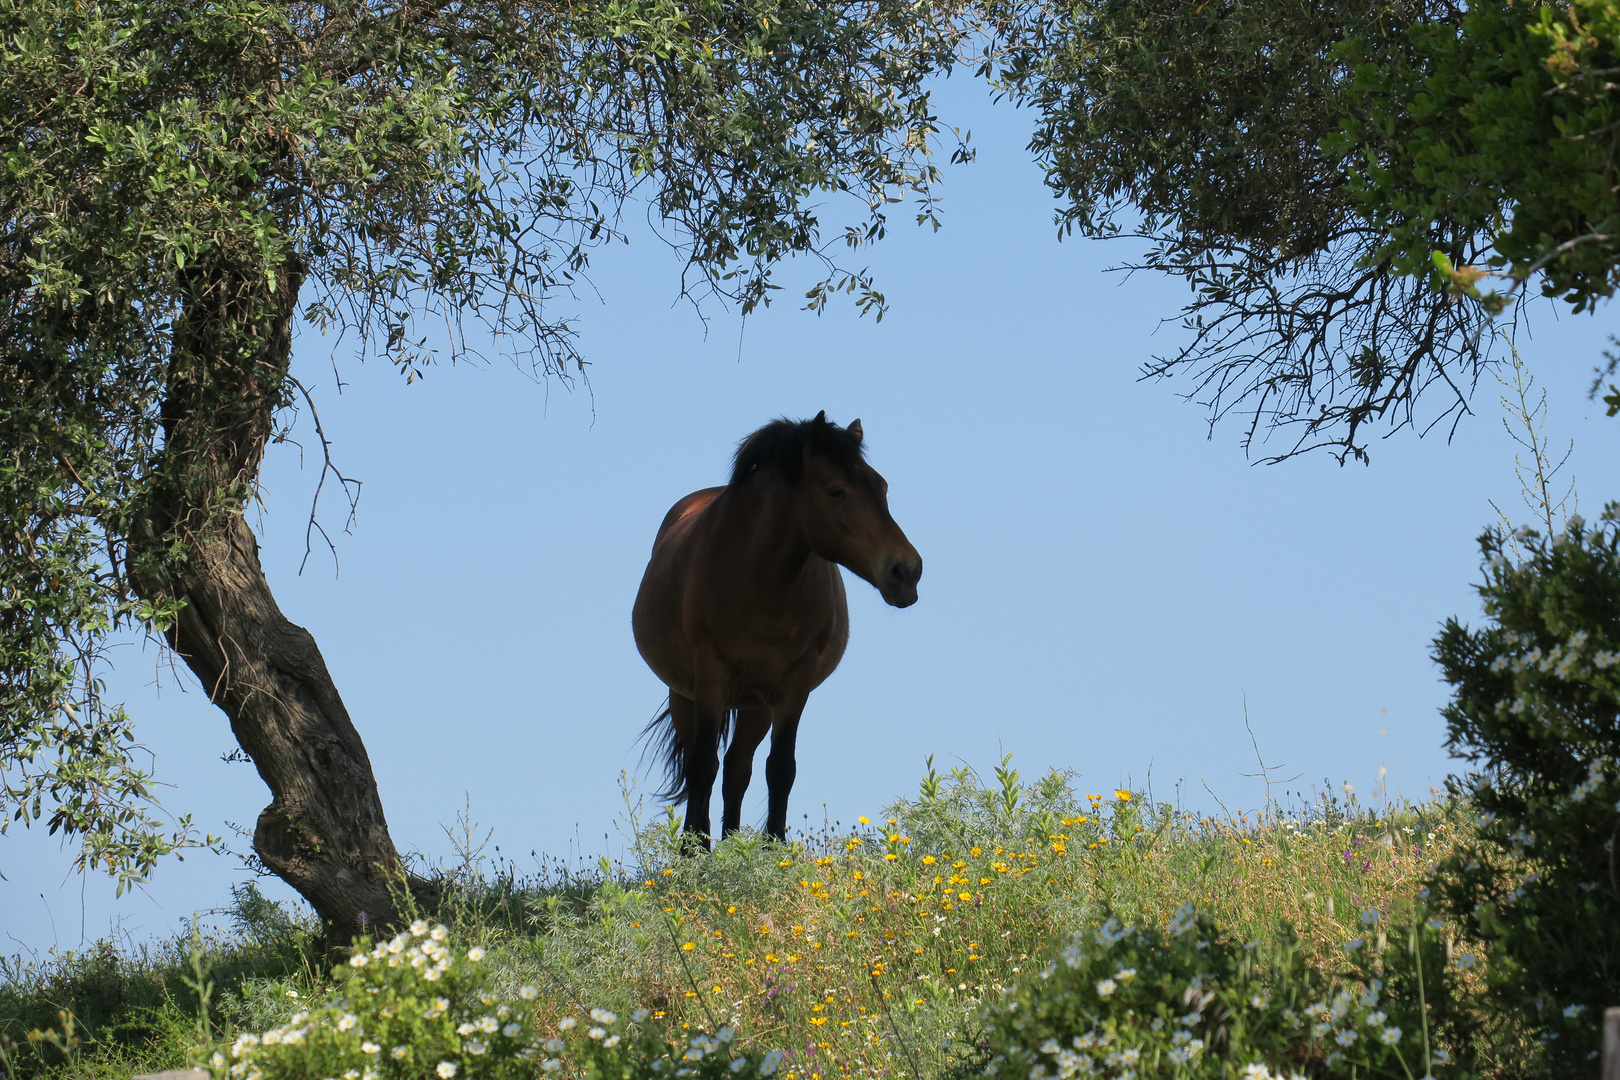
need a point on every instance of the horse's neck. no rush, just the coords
(760, 530)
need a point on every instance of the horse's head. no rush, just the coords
(844, 505)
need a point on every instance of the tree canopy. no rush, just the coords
(1330, 179)
(181, 182)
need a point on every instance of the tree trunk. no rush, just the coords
(324, 832)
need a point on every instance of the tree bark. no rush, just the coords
(324, 832)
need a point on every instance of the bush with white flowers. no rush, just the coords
(420, 1006)
(1136, 1001)
(1535, 708)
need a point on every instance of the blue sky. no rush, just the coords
(1106, 583)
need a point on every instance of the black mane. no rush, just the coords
(780, 445)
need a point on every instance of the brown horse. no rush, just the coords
(742, 610)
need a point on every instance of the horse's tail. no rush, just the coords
(663, 741)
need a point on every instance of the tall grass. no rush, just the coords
(858, 950)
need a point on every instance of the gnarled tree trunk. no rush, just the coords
(324, 832)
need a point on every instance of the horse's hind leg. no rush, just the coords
(751, 726)
(781, 767)
(701, 728)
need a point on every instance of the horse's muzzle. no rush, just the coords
(898, 584)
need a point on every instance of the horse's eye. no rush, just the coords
(835, 493)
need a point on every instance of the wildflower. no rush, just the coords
(1183, 920)
(528, 993)
(487, 1024)
(1258, 1001)
(864, 820)
(1320, 1029)
(1122, 795)
(1348, 1035)
(1050, 1046)
(475, 1047)
(1124, 973)
(553, 1045)
(1106, 987)
(1391, 1036)
(688, 946)
(550, 1065)
(475, 954)
(596, 1032)
(602, 1016)
(567, 1023)
(446, 1070)
(465, 1029)
(770, 1063)
(1376, 1018)
(398, 1053)
(1370, 916)
(347, 1021)
(1572, 1011)
(512, 1031)
(358, 960)
(1465, 961)
(369, 1047)
(1110, 932)
(738, 1064)
(1256, 1071)
(641, 1015)
(612, 1040)
(1353, 944)
(725, 1034)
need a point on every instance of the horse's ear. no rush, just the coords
(855, 430)
(821, 419)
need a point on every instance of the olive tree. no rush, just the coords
(181, 183)
(1336, 182)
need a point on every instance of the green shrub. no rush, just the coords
(1184, 1002)
(1534, 706)
(421, 1005)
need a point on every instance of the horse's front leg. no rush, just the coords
(781, 766)
(751, 725)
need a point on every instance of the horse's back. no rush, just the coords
(685, 508)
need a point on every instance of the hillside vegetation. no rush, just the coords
(865, 949)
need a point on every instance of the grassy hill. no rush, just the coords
(863, 949)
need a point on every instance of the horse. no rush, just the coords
(742, 611)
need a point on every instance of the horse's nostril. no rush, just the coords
(897, 572)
